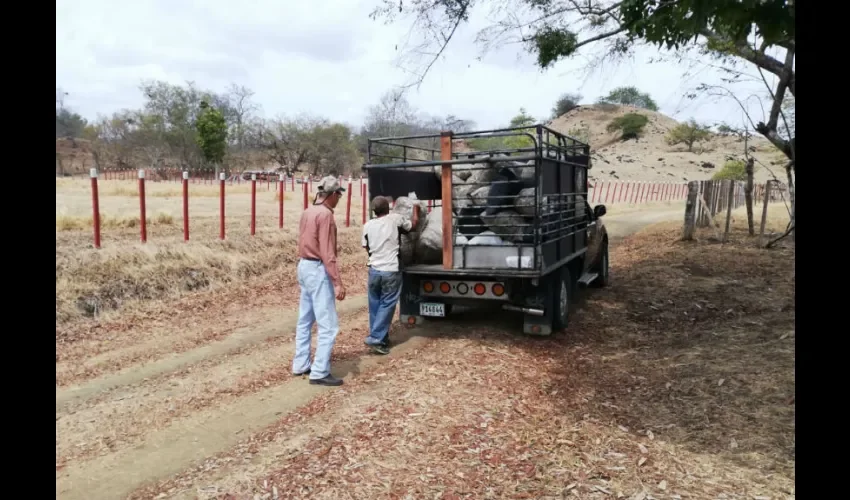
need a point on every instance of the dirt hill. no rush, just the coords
(650, 158)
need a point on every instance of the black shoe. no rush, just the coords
(380, 349)
(301, 374)
(329, 380)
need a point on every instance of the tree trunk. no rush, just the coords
(748, 195)
(792, 198)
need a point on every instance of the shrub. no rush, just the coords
(735, 170)
(688, 133)
(565, 103)
(630, 96)
(580, 133)
(630, 125)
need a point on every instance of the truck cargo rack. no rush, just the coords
(525, 186)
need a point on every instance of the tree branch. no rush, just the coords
(760, 59)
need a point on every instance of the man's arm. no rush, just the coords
(327, 247)
(364, 241)
(405, 225)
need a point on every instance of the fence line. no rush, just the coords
(706, 199)
(603, 192)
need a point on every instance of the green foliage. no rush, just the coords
(69, 124)
(522, 119)
(630, 96)
(212, 134)
(735, 170)
(565, 103)
(629, 125)
(553, 43)
(580, 133)
(688, 133)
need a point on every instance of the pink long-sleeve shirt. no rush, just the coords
(317, 239)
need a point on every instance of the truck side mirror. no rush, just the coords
(599, 211)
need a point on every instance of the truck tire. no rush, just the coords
(601, 269)
(562, 298)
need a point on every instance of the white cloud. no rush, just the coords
(332, 61)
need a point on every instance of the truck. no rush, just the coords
(533, 263)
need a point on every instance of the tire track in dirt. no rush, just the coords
(190, 439)
(135, 410)
(285, 324)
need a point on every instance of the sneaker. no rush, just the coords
(330, 380)
(380, 349)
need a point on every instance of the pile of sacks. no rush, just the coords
(492, 205)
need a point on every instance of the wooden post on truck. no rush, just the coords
(446, 177)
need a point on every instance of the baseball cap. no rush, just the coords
(330, 184)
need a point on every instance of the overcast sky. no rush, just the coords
(328, 58)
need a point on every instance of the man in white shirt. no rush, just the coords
(381, 241)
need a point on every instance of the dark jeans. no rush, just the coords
(384, 290)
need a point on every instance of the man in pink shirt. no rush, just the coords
(320, 282)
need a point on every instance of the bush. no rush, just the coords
(565, 103)
(735, 170)
(630, 96)
(581, 133)
(630, 125)
(688, 133)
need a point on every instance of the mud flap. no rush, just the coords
(408, 302)
(539, 299)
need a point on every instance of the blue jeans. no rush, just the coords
(317, 305)
(384, 289)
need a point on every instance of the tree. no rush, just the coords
(630, 96)
(212, 134)
(239, 98)
(629, 125)
(523, 119)
(566, 103)
(751, 31)
(688, 133)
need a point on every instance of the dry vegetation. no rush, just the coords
(676, 382)
(650, 158)
(125, 272)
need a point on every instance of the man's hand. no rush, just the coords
(340, 292)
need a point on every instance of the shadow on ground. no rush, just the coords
(693, 344)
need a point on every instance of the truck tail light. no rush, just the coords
(428, 287)
(462, 288)
(498, 289)
(479, 289)
(445, 287)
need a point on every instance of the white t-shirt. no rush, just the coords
(380, 239)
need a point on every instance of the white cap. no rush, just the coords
(221, 176)
(93, 173)
(282, 177)
(141, 173)
(185, 174)
(253, 177)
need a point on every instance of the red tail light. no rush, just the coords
(479, 289)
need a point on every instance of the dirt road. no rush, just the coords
(224, 415)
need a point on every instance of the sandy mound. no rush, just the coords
(650, 158)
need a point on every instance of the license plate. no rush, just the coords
(432, 309)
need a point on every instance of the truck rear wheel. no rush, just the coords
(562, 298)
(602, 269)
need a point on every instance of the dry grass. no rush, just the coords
(125, 272)
(77, 223)
(675, 382)
(90, 282)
